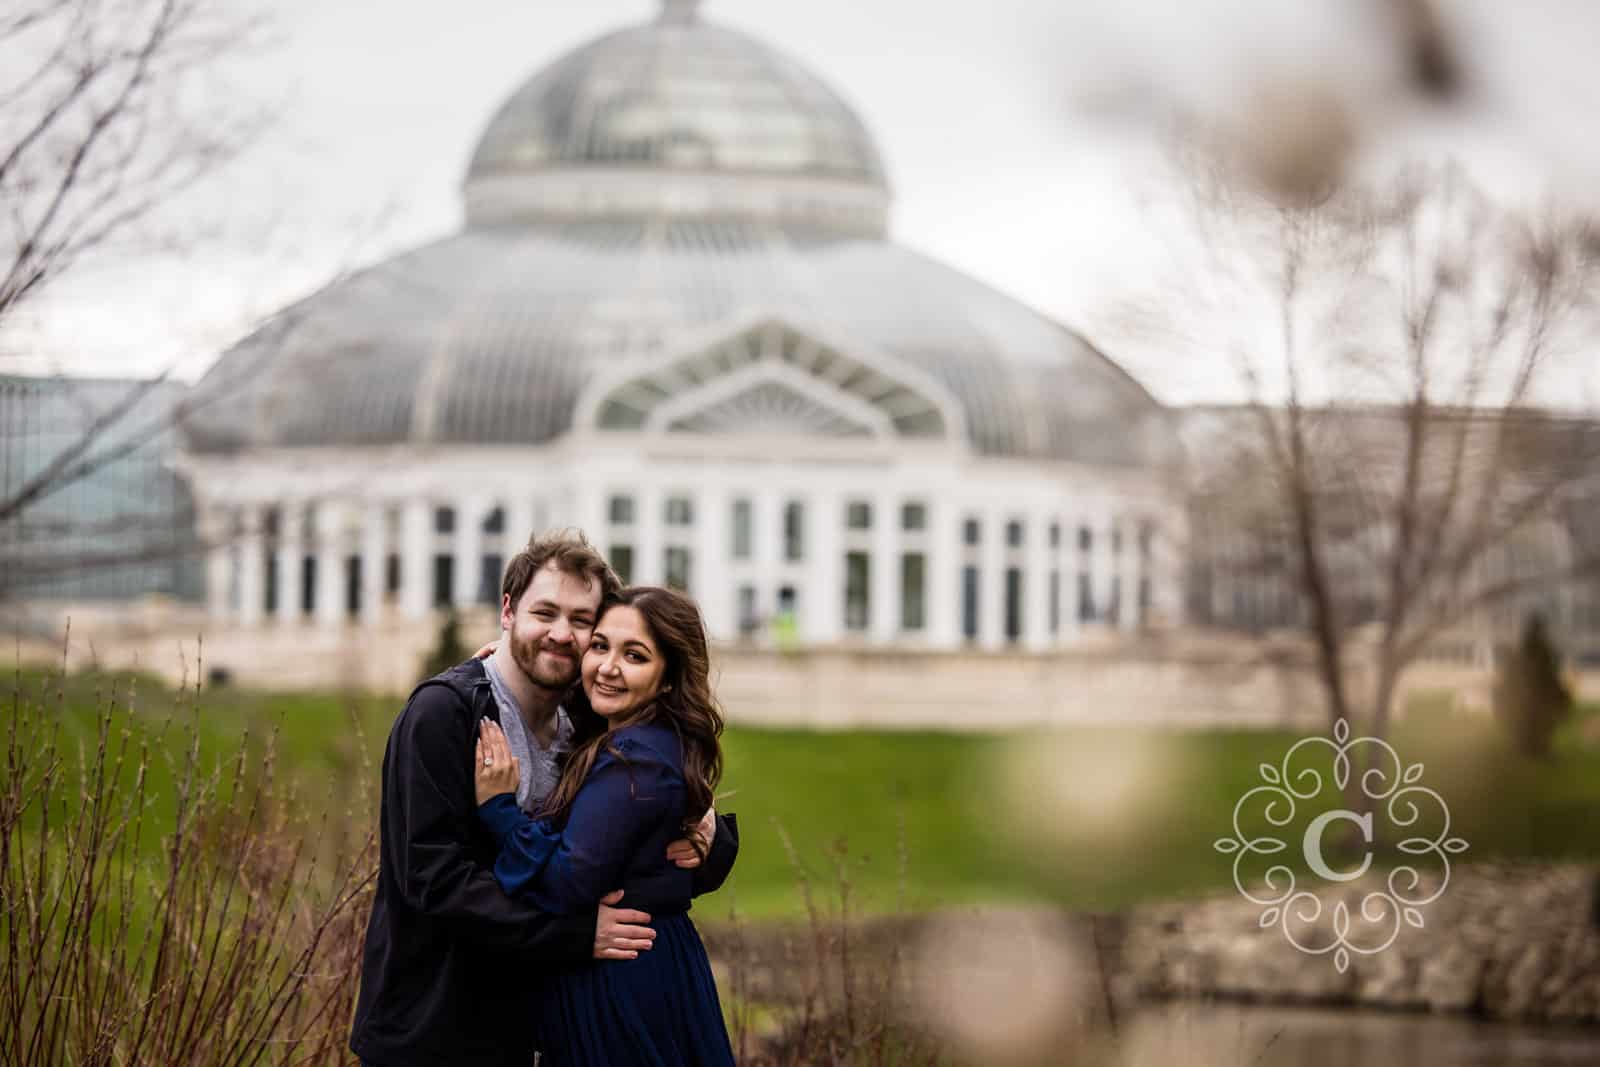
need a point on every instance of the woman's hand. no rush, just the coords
(486, 651)
(497, 770)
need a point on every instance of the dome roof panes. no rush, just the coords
(691, 96)
(491, 336)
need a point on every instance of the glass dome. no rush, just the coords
(490, 337)
(627, 203)
(696, 108)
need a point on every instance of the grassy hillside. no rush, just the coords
(1088, 818)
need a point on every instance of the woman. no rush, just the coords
(642, 767)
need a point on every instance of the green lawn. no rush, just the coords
(1088, 818)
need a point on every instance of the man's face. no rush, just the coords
(550, 626)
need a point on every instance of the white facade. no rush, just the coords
(865, 543)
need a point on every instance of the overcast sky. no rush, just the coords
(1014, 132)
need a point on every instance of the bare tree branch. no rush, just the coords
(103, 123)
(1494, 595)
(96, 136)
(1421, 462)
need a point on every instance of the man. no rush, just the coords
(450, 960)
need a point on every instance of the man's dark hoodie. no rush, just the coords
(451, 961)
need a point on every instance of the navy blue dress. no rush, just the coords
(660, 1010)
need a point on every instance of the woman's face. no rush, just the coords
(622, 670)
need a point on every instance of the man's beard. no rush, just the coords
(545, 675)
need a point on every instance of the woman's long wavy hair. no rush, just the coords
(685, 702)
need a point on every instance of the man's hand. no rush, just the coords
(683, 851)
(621, 933)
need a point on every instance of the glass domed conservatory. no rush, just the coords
(674, 318)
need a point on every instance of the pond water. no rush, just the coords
(1214, 1035)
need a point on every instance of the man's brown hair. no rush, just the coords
(571, 553)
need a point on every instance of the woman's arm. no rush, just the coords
(526, 844)
(619, 805)
(427, 823)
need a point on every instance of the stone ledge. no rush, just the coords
(1513, 942)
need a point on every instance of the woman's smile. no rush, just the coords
(623, 668)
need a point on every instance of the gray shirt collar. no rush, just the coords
(541, 768)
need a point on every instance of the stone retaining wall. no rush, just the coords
(1513, 942)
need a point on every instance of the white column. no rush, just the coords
(252, 568)
(219, 563)
(709, 574)
(291, 517)
(1223, 552)
(330, 594)
(766, 549)
(943, 574)
(649, 547)
(1067, 562)
(558, 509)
(885, 569)
(468, 550)
(589, 511)
(416, 558)
(1128, 613)
(822, 599)
(374, 560)
(1100, 564)
(1036, 634)
(1172, 537)
(519, 522)
(992, 580)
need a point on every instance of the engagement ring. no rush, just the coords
(487, 762)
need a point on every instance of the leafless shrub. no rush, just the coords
(829, 989)
(838, 986)
(231, 935)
